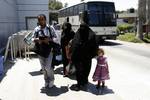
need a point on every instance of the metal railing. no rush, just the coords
(16, 45)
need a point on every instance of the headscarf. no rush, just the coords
(66, 27)
(84, 31)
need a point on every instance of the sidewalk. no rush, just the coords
(138, 44)
(23, 81)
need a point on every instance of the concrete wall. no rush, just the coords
(30, 9)
(8, 20)
(13, 15)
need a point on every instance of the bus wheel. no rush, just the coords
(100, 41)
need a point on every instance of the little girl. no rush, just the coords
(101, 72)
(68, 55)
(70, 69)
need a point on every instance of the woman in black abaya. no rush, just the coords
(84, 48)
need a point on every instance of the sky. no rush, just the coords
(119, 4)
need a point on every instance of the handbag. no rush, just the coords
(42, 49)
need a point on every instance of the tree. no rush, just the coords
(141, 18)
(147, 24)
(147, 12)
(66, 4)
(82, 0)
(55, 5)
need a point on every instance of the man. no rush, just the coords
(43, 38)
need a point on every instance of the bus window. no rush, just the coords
(81, 7)
(64, 13)
(95, 7)
(76, 11)
(101, 14)
(109, 12)
(71, 11)
(109, 8)
(95, 19)
(67, 12)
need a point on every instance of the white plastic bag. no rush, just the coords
(70, 68)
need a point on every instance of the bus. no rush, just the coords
(99, 15)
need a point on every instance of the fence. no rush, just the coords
(16, 44)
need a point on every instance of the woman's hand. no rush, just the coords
(46, 40)
(36, 40)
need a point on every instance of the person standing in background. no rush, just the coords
(66, 36)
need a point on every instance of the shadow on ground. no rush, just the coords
(55, 91)
(7, 66)
(35, 73)
(59, 70)
(101, 91)
(147, 41)
(109, 43)
(91, 88)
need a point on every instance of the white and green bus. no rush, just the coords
(99, 15)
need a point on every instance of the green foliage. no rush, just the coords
(55, 5)
(146, 38)
(129, 37)
(53, 17)
(124, 28)
(66, 5)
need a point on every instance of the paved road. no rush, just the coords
(129, 71)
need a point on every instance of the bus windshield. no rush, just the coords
(101, 14)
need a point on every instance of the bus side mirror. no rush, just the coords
(83, 17)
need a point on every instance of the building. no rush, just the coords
(129, 16)
(19, 15)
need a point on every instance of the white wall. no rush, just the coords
(13, 15)
(8, 20)
(31, 8)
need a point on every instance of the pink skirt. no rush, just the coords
(101, 73)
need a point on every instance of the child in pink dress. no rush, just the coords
(101, 72)
(70, 68)
(68, 55)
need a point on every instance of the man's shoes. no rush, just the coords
(48, 86)
(75, 87)
(65, 75)
(41, 71)
(83, 87)
(51, 85)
